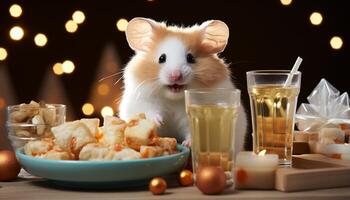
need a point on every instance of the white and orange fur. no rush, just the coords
(157, 88)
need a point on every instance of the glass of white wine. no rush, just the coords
(212, 117)
(273, 104)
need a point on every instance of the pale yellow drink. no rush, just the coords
(212, 131)
(273, 108)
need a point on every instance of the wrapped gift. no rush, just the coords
(326, 108)
(327, 115)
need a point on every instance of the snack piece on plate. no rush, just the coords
(72, 136)
(113, 130)
(94, 151)
(38, 147)
(139, 132)
(56, 155)
(92, 123)
(167, 143)
(124, 154)
(151, 151)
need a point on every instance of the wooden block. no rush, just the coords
(313, 172)
(301, 148)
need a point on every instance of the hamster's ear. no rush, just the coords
(215, 35)
(139, 33)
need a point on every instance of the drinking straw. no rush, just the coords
(293, 71)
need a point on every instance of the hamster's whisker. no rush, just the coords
(117, 100)
(110, 76)
(118, 80)
(139, 85)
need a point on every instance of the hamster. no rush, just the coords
(168, 60)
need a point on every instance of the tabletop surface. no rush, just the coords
(29, 187)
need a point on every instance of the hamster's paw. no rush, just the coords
(158, 119)
(187, 142)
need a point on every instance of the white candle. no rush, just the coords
(256, 171)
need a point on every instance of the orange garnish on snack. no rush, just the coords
(133, 123)
(99, 136)
(118, 147)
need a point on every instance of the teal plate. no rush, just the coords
(104, 174)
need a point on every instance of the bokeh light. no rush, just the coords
(107, 111)
(40, 39)
(3, 53)
(57, 69)
(71, 26)
(286, 2)
(316, 18)
(103, 89)
(88, 109)
(78, 17)
(16, 33)
(15, 10)
(68, 66)
(122, 24)
(336, 42)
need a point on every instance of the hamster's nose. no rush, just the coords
(175, 75)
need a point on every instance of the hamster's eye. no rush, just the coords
(190, 58)
(162, 58)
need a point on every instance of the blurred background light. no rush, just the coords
(3, 53)
(71, 26)
(78, 17)
(15, 10)
(88, 109)
(40, 39)
(107, 111)
(68, 66)
(16, 33)
(316, 18)
(121, 24)
(336, 42)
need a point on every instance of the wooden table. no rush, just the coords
(31, 188)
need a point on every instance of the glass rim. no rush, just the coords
(55, 106)
(271, 72)
(212, 90)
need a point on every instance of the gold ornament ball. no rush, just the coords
(9, 166)
(211, 180)
(157, 185)
(185, 178)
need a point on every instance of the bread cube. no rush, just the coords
(56, 155)
(124, 154)
(139, 132)
(38, 147)
(94, 151)
(92, 123)
(167, 143)
(113, 130)
(151, 151)
(72, 136)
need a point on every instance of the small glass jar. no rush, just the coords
(33, 121)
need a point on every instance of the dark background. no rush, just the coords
(263, 35)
